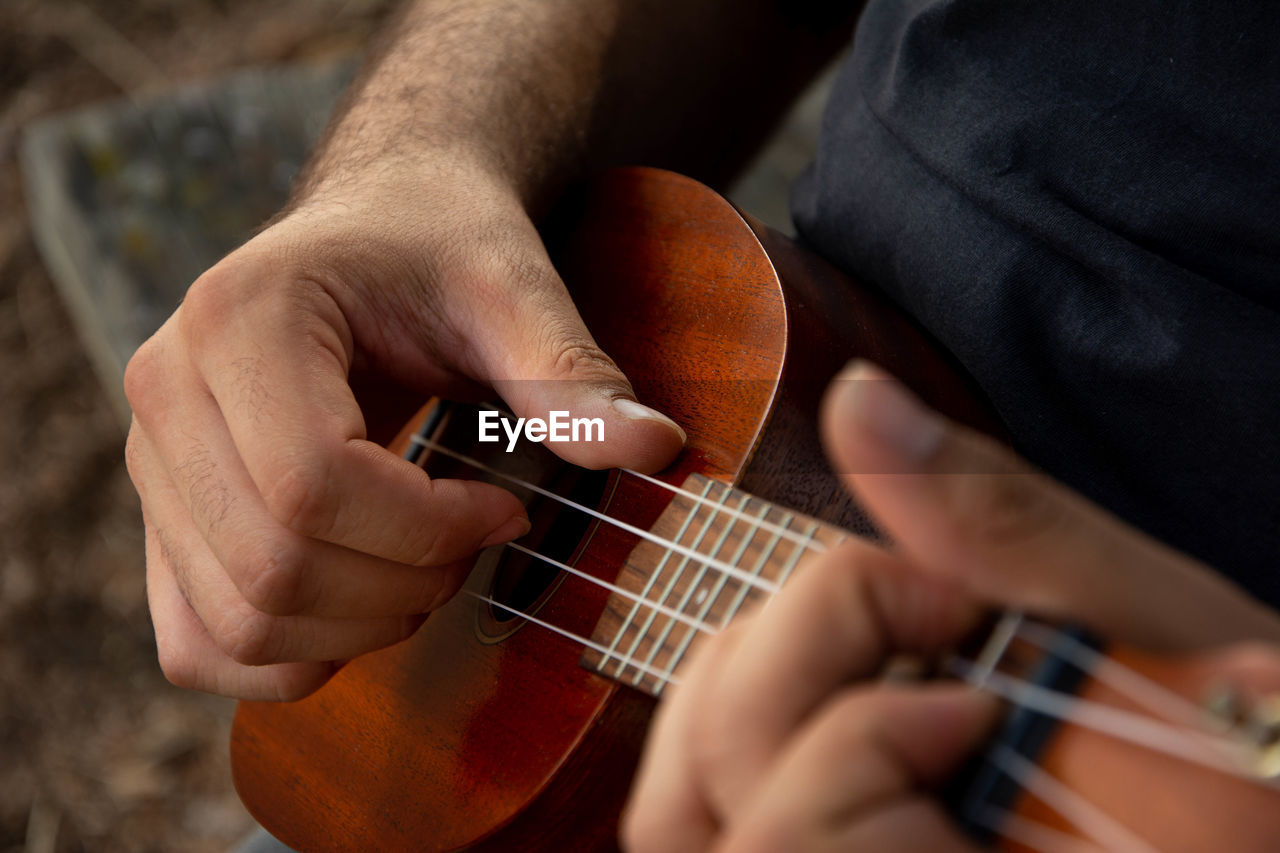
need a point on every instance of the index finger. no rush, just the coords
(297, 427)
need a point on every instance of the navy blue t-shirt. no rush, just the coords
(1081, 201)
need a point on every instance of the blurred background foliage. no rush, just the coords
(97, 750)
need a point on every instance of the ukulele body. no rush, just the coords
(489, 734)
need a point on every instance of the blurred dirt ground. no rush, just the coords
(97, 750)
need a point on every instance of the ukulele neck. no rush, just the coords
(723, 551)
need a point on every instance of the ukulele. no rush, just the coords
(514, 718)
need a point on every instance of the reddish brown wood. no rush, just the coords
(1173, 805)
(447, 740)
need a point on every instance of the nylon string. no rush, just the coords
(672, 582)
(1032, 834)
(1100, 827)
(652, 580)
(1197, 747)
(1151, 695)
(695, 497)
(577, 638)
(696, 624)
(759, 583)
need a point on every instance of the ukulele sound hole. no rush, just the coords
(513, 579)
(520, 582)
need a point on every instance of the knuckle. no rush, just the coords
(141, 375)
(427, 544)
(218, 290)
(248, 636)
(273, 578)
(439, 587)
(233, 287)
(577, 358)
(210, 301)
(299, 497)
(271, 286)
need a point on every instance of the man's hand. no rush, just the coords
(774, 741)
(280, 537)
(778, 738)
(277, 533)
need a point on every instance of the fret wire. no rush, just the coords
(594, 513)
(784, 533)
(688, 593)
(796, 553)
(711, 600)
(541, 623)
(651, 479)
(653, 578)
(745, 589)
(673, 580)
(612, 587)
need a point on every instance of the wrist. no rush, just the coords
(355, 183)
(401, 222)
(490, 87)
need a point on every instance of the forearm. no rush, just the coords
(539, 91)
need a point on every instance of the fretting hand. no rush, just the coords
(779, 739)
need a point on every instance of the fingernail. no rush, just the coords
(632, 410)
(890, 412)
(512, 529)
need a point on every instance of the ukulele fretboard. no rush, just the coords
(730, 550)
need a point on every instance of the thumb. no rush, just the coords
(541, 359)
(961, 506)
